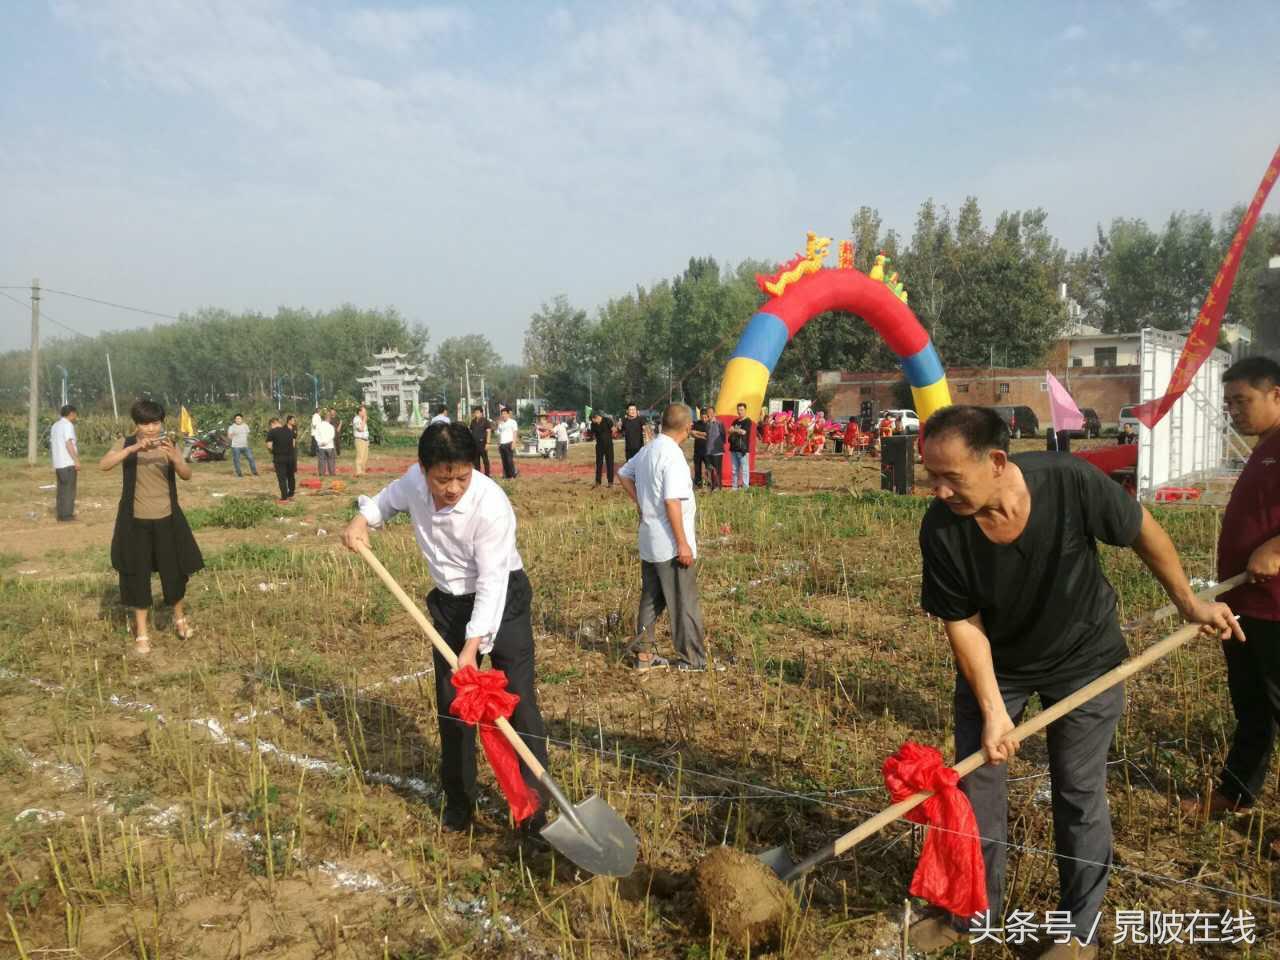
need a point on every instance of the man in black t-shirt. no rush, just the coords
(481, 428)
(281, 441)
(739, 448)
(699, 433)
(632, 432)
(602, 431)
(1011, 567)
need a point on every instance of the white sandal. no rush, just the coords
(142, 644)
(182, 629)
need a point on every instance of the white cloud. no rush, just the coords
(1074, 32)
(400, 31)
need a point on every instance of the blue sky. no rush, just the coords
(466, 163)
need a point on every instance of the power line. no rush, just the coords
(109, 303)
(44, 315)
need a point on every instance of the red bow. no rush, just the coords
(482, 697)
(950, 873)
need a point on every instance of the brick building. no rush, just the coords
(1086, 364)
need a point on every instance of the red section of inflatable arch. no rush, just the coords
(853, 292)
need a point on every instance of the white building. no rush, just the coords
(393, 384)
(1096, 349)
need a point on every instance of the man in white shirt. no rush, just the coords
(561, 433)
(657, 478)
(238, 437)
(360, 430)
(326, 456)
(66, 461)
(466, 530)
(508, 433)
(442, 415)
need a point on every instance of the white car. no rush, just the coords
(906, 420)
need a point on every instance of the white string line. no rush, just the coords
(109, 303)
(420, 787)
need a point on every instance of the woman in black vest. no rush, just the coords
(151, 535)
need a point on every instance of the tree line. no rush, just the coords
(986, 292)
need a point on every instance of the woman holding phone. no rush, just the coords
(151, 533)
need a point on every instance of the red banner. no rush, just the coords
(1204, 334)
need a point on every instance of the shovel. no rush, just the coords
(780, 863)
(590, 834)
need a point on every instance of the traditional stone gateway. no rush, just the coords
(393, 384)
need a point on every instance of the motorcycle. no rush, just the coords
(210, 445)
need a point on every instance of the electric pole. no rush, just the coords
(111, 381)
(33, 423)
(467, 367)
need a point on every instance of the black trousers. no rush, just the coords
(604, 461)
(513, 655)
(286, 477)
(1078, 745)
(508, 453)
(66, 478)
(631, 451)
(1253, 677)
(482, 457)
(712, 460)
(699, 458)
(158, 538)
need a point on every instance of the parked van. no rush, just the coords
(1022, 421)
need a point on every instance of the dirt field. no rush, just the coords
(268, 789)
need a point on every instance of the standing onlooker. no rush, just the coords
(1249, 542)
(602, 432)
(508, 432)
(316, 417)
(360, 433)
(337, 431)
(739, 448)
(151, 533)
(284, 457)
(699, 433)
(442, 415)
(632, 432)
(238, 437)
(65, 453)
(481, 430)
(658, 481)
(715, 449)
(1126, 435)
(326, 459)
(561, 433)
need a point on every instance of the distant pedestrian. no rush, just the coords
(740, 448)
(65, 453)
(284, 457)
(151, 533)
(1127, 435)
(360, 434)
(442, 415)
(602, 433)
(699, 434)
(658, 480)
(481, 430)
(337, 431)
(632, 432)
(561, 433)
(326, 459)
(316, 417)
(238, 437)
(715, 449)
(508, 433)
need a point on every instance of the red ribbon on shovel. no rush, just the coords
(482, 697)
(950, 873)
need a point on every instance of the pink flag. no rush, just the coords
(1066, 415)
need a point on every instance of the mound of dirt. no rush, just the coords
(742, 897)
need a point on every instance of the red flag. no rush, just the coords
(482, 698)
(951, 873)
(1204, 335)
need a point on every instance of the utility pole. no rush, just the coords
(590, 394)
(33, 423)
(64, 382)
(467, 367)
(484, 402)
(111, 381)
(315, 386)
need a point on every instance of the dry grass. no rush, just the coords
(268, 789)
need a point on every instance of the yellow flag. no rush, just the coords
(186, 426)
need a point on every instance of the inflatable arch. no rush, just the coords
(802, 290)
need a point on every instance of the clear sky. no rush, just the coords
(466, 163)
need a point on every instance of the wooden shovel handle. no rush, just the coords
(1041, 720)
(450, 657)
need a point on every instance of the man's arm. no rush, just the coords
(675, 517)
(71, 449)
(1264, 562)
(972, 651)
(1159, 554)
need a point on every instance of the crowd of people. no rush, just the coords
(1009, 567)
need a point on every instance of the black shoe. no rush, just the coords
(457, 816)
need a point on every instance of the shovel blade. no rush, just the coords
(778, 860)
(600, 841)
